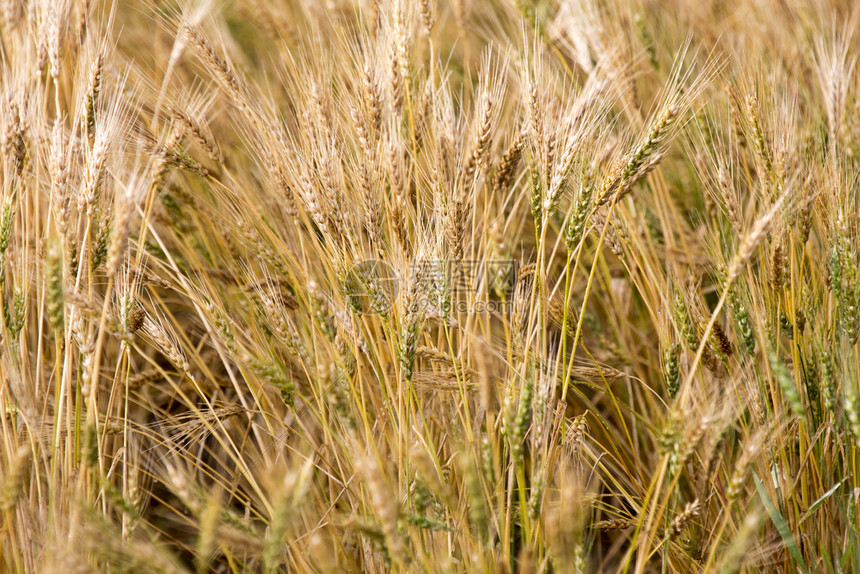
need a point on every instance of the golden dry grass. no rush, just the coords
(383, 285)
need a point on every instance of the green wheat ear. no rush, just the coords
(55, 287)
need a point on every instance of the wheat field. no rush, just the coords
(429, 286)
